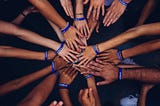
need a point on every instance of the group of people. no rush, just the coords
(85, 47)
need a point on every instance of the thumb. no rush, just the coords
(102, 83)
(85, 1)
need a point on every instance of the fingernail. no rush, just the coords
(55, 102)
(60, 103)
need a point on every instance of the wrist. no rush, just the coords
(63, 85)
(123, 2)
(60, 48)
(120, 71)
(96, 49)
(65, 28)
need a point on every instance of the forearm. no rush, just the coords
(79, 8)
(49, 12)
(142, 74)
(40, 93)
(65, 97)
(141, 49)
(149, 6)
(144, 30)
(57, 30)
(8, 51)
(91, 84)
(21, 82)
(19, 19)
(11, 29)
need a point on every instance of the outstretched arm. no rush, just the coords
(144, 30)
(91, 84)
(113, 54)
(40, 93)
(16, 84)
(149, 6)
(8, 51)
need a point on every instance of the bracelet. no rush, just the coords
(79, 19)
(63, 85)
(88, 76)
(119, 55)
(123, 3)
(60, 48)
(66, 28)
(53, 70)
(95, 49)
(79, 13)
(46, 56)
(120, 74)
(23, 14)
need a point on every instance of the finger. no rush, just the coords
(80, 95)
(85, 64)
(74, 52)
(60, 103)
(94, 68)
(76, 46)
(85, 1)
(96, 64)
(95, 73)
(71, 11)
(65, 59)
(69, 58)
(85, 94)
(54, 103)
(98, 12)
(103, 58)
(79, 33)
(94, 13)
(97, 28)
(66, 11)
(87, 28)
(102, 83)
(89, 11)
(91, 96)
(73, 56)
(79, 42)
(82, 47)
(82, 61)
(71, 45)
(84, 30)
(74, 75)
(103, 10)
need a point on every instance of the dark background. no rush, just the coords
(12, 68)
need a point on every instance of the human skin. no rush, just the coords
(67, 77)
(109, 73)
(71, 35)
(111, 55)
(18, 83)
(144, 30)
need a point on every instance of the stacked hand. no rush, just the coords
(68, 75)
(105, 70)
(113, 13)
(109, 56)
(67, 6)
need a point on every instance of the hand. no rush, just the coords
(68, 54)
(82, 27)
(95, 7)
(105, 70)
(72, 39)
(59, 63)
(68, 75)
(85, 1)
(86, 97)
(67, 6)
(109, 56)
(92, 25)
(29, 10)
(113, 13)
(55, 103)
(87, 55)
